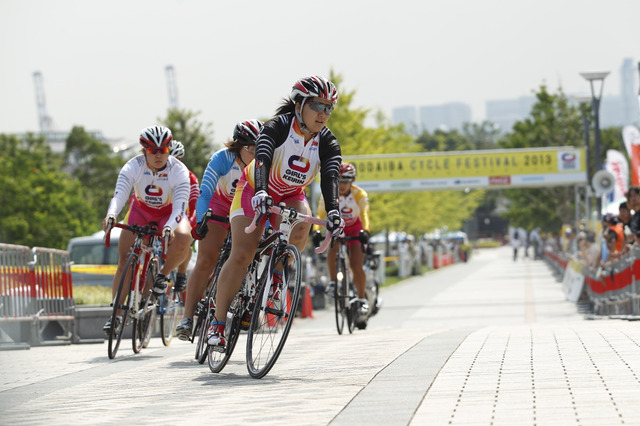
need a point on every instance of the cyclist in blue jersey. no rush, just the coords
(216, 192)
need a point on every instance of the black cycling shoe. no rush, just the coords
(181, 283)
(184, 328)
(107, 326)
(160, 285)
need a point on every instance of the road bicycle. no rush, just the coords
(205, 308)
(134, 299)
(372, 288)
(168, 307)
(345, 294)
(265, 307)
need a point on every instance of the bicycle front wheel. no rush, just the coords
(272, 317)
(120, 313)
(341, 295)
(169, 316)
(143, 325)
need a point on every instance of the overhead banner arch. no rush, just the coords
(490, 169)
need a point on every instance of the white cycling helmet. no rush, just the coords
(177, 149)
(156, 137)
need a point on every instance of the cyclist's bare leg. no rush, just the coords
(208, 253)
(300, 232)
(124, 247)
(356, 259)
(332, 253)
(182, 268)
(177, 249)
(243, 248)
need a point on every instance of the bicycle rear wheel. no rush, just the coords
(272, 318)
(351, 309)
(341, 295)
(169, 315)
(143, 326)
(121, 310)
(200, 329)
(218, 360)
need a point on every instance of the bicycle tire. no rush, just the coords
(199, 329)
(205, 317)
(116, 338)
(145, 327)
(341, 295)
(169, 315)
(351, 308)
(218, 360)
(272, 319)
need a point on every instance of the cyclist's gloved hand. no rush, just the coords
(261, 201)
(316, 238)
(335, 224)
(199, 231)
(364, 236)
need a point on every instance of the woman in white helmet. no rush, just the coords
(161, 191)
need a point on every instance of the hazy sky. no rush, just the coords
(103, 61)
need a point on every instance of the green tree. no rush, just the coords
(415, 213)
(196, 137)
(39, 204)
(95, 165)
(553, 122)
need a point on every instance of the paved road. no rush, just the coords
(490, 342)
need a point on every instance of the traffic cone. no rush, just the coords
(307, 304)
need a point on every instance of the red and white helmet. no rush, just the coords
(246, 132)
(156, 137)
(347, 171)
(314, 87)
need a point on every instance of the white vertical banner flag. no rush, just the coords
(631, 138)
(617, 165)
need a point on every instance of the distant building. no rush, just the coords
(506, 112)
(449, 116)
(615, 111)
(406, 115)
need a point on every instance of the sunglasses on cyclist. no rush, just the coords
(321, 107)
(250, 148)
(164, 150)
(345, 180)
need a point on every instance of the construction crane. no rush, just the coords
(172, 87)
(45, 121)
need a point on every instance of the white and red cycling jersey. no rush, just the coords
(285, 164)
(159, 193)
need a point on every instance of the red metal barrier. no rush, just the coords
(35, 287)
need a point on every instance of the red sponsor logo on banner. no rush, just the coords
(499, 180)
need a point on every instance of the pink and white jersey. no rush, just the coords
(160, 193)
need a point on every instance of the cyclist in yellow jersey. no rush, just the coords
(354, 209)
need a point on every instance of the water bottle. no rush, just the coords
(157, 246)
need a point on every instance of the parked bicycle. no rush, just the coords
(255, 308)
(134, 298)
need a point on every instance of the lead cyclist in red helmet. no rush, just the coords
(161, 192)
(291, 150)
(354, 208)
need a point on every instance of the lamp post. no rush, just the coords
(583, 101)
(596, 79)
